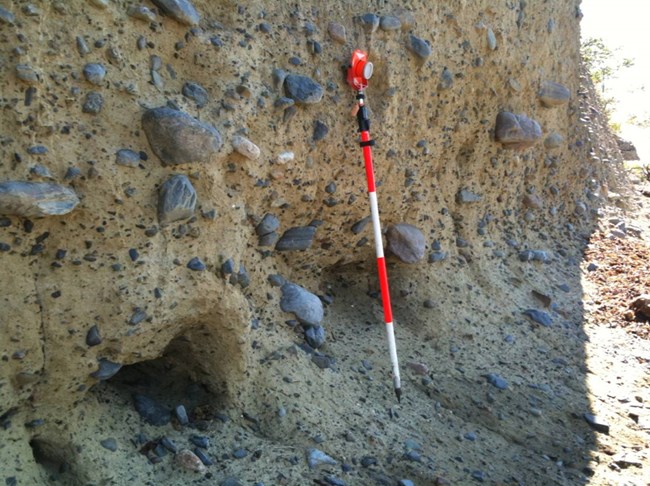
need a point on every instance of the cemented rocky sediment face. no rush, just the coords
(159, 162)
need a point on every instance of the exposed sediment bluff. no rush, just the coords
(198, 155)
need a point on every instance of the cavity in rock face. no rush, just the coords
(178, 138)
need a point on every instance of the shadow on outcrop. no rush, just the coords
(55, 460)
(194, 369)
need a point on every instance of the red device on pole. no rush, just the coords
(358, 74)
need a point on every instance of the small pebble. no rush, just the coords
(127, 158)
(200, 441)
(93, 103)
(196, 265)
(110, 444)
(94, 73)
(189, 461)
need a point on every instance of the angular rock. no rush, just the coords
(306, 306)
(93, 103)
(317, 458)
(533, 201)
(465, 196)
(323, 361)
(178, 138)
(419, 47)
(641, 305)
(26, 73)
(268, 225)
(176, 200)
(596, 423)
(180, 10)
(298, 238)
(553, 94)
(6, 17)
(196, 92)
(360, 225)
(245, 147)
(106, 369)
(93, 337)
(94, 73)
(303, 89)
(269, 239)
(127, 158)
(150, 410)
(320, 131)
(446, 80)
(516, 131)
(196, 265)
(627, 148)
(36, 199)
(406, 242)
(540, 317)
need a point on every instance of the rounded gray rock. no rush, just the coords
(94, 73)
(176, 200)
(196, 92)
(178, 138)
(303, 89)
(127, 158)
(406, 242)
(553, 141)
(306, 306)
(516, 131)
(369, 21)
(553, 94)
(419, 47)
(390, 22)
(337, 32)
(36, 199)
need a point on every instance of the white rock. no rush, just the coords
(285, 157)
(245, 147)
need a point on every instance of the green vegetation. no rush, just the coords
(603, 65)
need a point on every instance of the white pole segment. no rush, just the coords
(376, 225)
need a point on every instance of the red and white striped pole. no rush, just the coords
(358, 75)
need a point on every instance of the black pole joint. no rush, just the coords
(362, 114)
